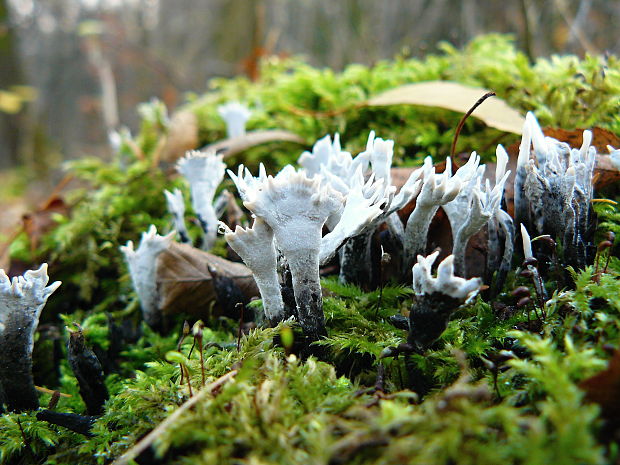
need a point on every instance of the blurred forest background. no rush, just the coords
(71, 70)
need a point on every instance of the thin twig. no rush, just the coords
(464, 118)
(147, 440)
(527, 31)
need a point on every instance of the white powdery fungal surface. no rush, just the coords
(381, 153)
(21, 301)
(360, 213)
(554, 190)
(424, 283)
(437, 190)
(24, 297)
(142, 264)
(475, 204)
(176, 207)
(295, 207)
(614, 154)
(235, 115)
(327, 156)
(527, 243)
(204, 171)
(256, 248)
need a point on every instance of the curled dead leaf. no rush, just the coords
(190, 281)
(251, 139)
(41, 221)
(604, 389)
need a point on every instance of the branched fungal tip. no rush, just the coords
(445, 282)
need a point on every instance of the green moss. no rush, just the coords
(481, 408)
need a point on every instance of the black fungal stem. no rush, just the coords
(88, 372)
(81, 424)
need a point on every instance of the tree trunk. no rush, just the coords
(10, 76)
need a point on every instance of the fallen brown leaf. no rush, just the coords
(40, 222)
(185, 276)
(604, 389)
(601, 138)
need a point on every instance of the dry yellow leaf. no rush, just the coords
(10, 102)
(457, 97)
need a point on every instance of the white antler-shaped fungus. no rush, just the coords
(256, 248)
(381, 153)
(530, 262)
(296, 208)
(614, 154)
(437, 190)
(327, 156)
(555, 196)
(21, 301)
(359, 214)
(527, 243)
(176, 207)
(500, 226)
(445, 283)
(142, 264)
(235, 115)
(436, 298)
(474, 206)
(204, 171)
